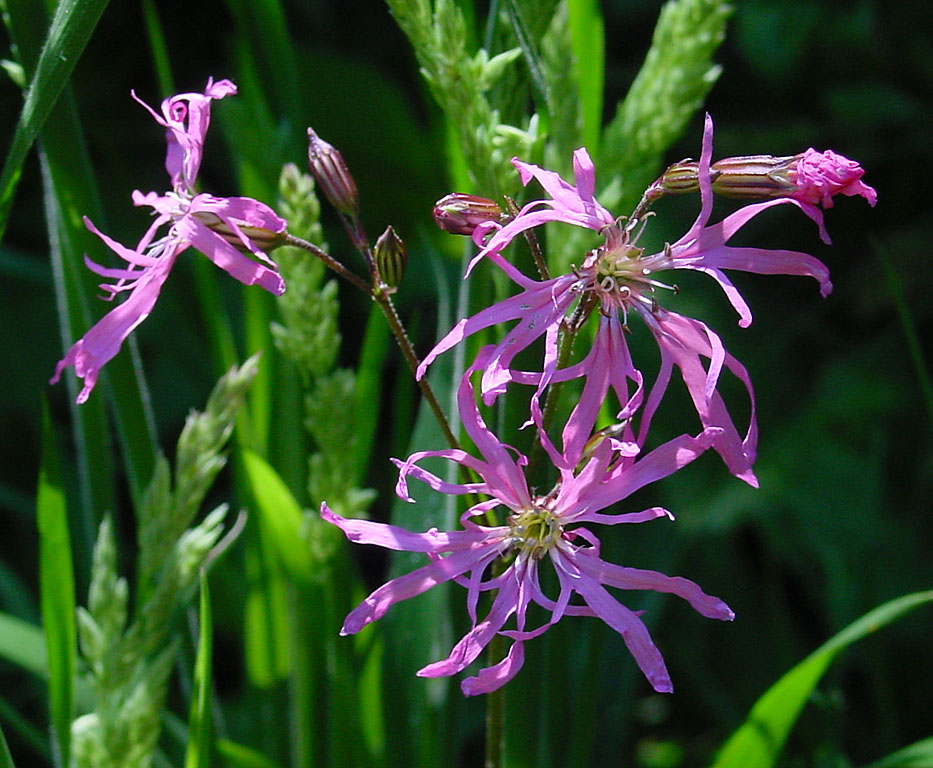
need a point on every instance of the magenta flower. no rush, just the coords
(621, 278)
(536, 527)
(224, 229)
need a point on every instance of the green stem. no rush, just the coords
(395, 324)
(329, 261)
(384, 301)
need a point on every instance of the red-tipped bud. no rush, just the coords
(810, 177)
(460, 214)
(391, 258)
(332, 175)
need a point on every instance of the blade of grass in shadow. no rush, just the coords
(57, 590)
(237, 756)
(530, 54)
(34, 737)
(759, 740)
(369, 386)
(914, 347)
(917, 755)
(158, 48)
(6, 760)
(23, 644)
(589, 53)
(71, 28)
(198, 751)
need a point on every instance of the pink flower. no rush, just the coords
(620, 278)
(819, 176)
(536, 527)
(223, 228)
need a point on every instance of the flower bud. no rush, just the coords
(390, 257)
(263, 239)
(460, 214)
(332, 175)
(810, 177)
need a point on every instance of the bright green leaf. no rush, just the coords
(588, 42)
(56, 578)
(918, 755)
(237, 756)
(6, 760)
(23, 644)
(198, 751)
(280, 516)
(71, 28)
(759, 740)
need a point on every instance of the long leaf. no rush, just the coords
(238, 756)
(280, 517)
(23, 644)
(56, 579)
(759, 740)
(198, 751)
(71, 28)
(6, 760)
(589, 47)
(917, 755)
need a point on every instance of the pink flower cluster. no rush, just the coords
(595, 468)
(193, 219)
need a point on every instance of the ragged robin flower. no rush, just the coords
(537, 529)
(228, 230)
(622, 279)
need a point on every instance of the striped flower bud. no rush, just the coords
(390, 257)
(460, 214)
(262, 239)
(332, 175)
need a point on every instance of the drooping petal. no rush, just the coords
(490, 678)
(473, 642)
(683, 341)
(622, 577)
(102, 342)
(630, 627)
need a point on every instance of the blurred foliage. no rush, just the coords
(842, 521)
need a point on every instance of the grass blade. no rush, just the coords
(57, 589)
(71, 28)
(917, 755)
(6, 760)
(589, 53)
(23, 644)
(237, 756)
(759, 740)
(280, 517)
(198, 752)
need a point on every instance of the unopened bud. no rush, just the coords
(264, 239)
(810, 177)
(332, 175)
(390, 257)
(460, 214)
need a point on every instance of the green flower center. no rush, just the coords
(535, 531)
